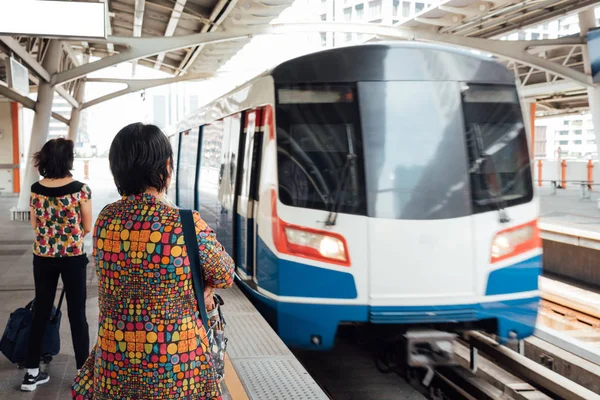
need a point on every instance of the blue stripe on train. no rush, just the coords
(521, 277)
(298, 323)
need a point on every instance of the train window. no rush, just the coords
(497, 147)
(229, 156)
(316, 136)
(188, 156)
(414, 150)
(208, 180)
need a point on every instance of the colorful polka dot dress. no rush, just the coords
(151, 341)
(57, 211)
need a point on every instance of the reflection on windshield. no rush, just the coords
(414, 150)
(497, 146)
(313, 143)
(416, 159)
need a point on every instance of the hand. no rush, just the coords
(208, 297)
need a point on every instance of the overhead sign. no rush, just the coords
(60, 19)
(17, 76)
(593, 39)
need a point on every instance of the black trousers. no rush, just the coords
(45, 273)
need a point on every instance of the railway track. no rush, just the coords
(561, 362)
(572, 311)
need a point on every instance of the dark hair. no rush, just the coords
(55, 159)
(138, 158)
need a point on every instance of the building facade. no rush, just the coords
(374, 11)
(571, 136)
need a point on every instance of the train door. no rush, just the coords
(247, 199)
(227, 181)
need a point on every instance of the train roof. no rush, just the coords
(401, 60)
(382, 61)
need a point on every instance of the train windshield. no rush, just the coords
(317, 130)
(414, 150)
(421, 150)
(497, 147)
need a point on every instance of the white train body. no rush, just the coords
(383, 184)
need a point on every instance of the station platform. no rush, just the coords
(570, 229)
(258, 366)
(566, 208)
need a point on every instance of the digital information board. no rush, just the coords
(59, 19)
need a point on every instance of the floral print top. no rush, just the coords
(59, 230)
(151, 341)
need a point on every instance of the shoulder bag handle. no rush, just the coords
(191, 244)
(60, 301)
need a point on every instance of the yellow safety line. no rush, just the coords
(233, 382)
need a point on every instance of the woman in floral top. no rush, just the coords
(61, 215)
(151, 341)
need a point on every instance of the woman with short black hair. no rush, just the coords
(61, 215)
(151, 340)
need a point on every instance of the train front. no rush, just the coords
(404, 196)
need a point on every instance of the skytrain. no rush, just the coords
(383, 184)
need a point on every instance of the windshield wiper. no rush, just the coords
(497, 199)
(340, 190)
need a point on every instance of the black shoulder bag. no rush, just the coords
(215, 323)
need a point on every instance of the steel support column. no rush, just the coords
(76, 111)
(587, 21)
(41, 123)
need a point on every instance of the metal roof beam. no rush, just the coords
(26, 101)
(171, 26)
(36, 67)
(138, 19)
(27, 58)
(472, 10)
(64, 93)
(13, 95)
(218, 14)
(134, 85)
(511, 50)
(69, 50)
(60, 118)
(547, 89)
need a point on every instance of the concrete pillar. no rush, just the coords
(41, 122)
(587, 21)
(76, 112)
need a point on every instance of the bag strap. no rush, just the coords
(191, 244)
(31, 304)
(60, 301)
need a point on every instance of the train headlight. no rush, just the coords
(515, 241)
(300, 241)
(501, 246)
(315, 245)
(331, 247)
